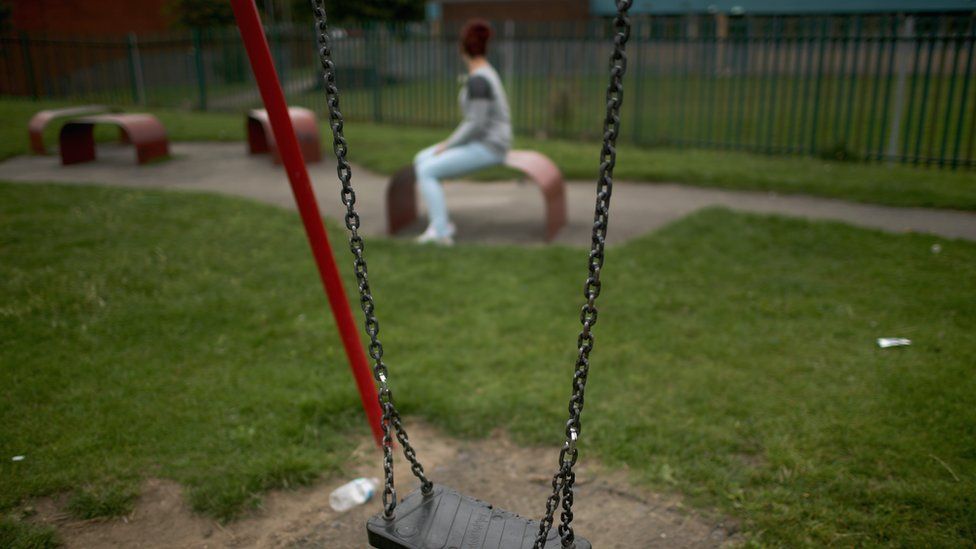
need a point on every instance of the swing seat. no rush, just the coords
(448, 519)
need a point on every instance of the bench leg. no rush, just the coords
(401, 200)
(77, 144)
(256, 141)
(311, 150)
(555, 199)
(37, 142)
(150, 151)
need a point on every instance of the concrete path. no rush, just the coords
(505, 212)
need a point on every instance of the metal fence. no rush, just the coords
(869, 88)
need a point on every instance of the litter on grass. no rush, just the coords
(351, 494)
(885, 342)
(17, 458)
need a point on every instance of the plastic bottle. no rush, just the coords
(351, 494)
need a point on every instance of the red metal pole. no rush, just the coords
(256, 44)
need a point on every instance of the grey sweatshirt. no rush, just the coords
(486, 115)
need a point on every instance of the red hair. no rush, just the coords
(474, 37)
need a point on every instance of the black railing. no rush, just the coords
(869, 88)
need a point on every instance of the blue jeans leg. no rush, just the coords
(431, 168)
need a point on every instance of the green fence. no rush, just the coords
(868, 88)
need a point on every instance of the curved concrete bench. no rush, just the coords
(144, 131)
(401, 196)
(260, 138)
(35, 128)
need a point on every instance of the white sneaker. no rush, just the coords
(431, 236)
(427, 234)
(434, 239)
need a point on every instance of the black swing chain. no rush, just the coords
(563, 480)
(391, 417)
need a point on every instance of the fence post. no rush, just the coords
(509, 51)
(956, 41)
(638, 78)
(965, 94)
(907, 30)
(814, 121)
(201, 72)
(135, 71)
(28, 65)
(372, 42)
(722, 75)
(278, 52)
(848, 140)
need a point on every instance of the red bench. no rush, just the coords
(260, 138)
(144, 131)
(401, 198)
(35, 128)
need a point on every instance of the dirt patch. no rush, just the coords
(610, 511)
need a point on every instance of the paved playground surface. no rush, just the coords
(503, 212)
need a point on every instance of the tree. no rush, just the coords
(201, 13)
(344, 11)
(6, 12)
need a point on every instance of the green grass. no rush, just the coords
(106, 438)
(185, 336)
(16, 534)
(104, 500)
(385, 148)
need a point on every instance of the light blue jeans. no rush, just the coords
(431, 168)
